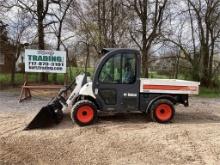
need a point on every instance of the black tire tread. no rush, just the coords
(154, 106)
(74, 111)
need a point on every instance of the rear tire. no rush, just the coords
(84, 112)
(162, 111)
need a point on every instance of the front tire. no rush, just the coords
(84, 112)
(162, 111)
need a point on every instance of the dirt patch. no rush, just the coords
(192, 138)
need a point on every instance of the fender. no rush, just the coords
(87, 93)
(171, 98)
(86, 90)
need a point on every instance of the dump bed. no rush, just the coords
(169, 86)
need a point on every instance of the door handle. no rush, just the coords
(96, 91)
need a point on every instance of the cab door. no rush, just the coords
(116, 81)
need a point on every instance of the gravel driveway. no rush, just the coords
(192, 138)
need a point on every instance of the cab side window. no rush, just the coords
(111, 71)
(129, 69)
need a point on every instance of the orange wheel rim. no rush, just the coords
(85, 114)
(163, 112)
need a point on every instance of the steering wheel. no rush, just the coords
(107, 77)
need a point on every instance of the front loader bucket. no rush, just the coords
(46, 117)
(52, 113)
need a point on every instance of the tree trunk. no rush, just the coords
(13, 70)
(40, 8)
(211, 60)
(58, 48)
(144, 49)
(195, 71)
(112, 24)
(144, 63)
(177, 65)
(99, 27)
(104, 27)
(205, 79)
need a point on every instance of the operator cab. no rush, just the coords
(116, 80)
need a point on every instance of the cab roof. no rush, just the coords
(106, 50)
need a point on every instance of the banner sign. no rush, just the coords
(45, 61)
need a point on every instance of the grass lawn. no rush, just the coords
(35, 77)
(74, 71)
(209, 93)
(156, 75)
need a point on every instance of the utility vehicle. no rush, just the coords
(116, 86)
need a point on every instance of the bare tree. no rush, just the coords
(100, 23)
(187, 47)
(150, 16)
(60, 15)
(206, 25)
(39, 9)
(18, 28)
(201, 21)
(57, 27)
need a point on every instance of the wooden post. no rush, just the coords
(65, 83)
(25, 77)
(25, 83)
(65, 79)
